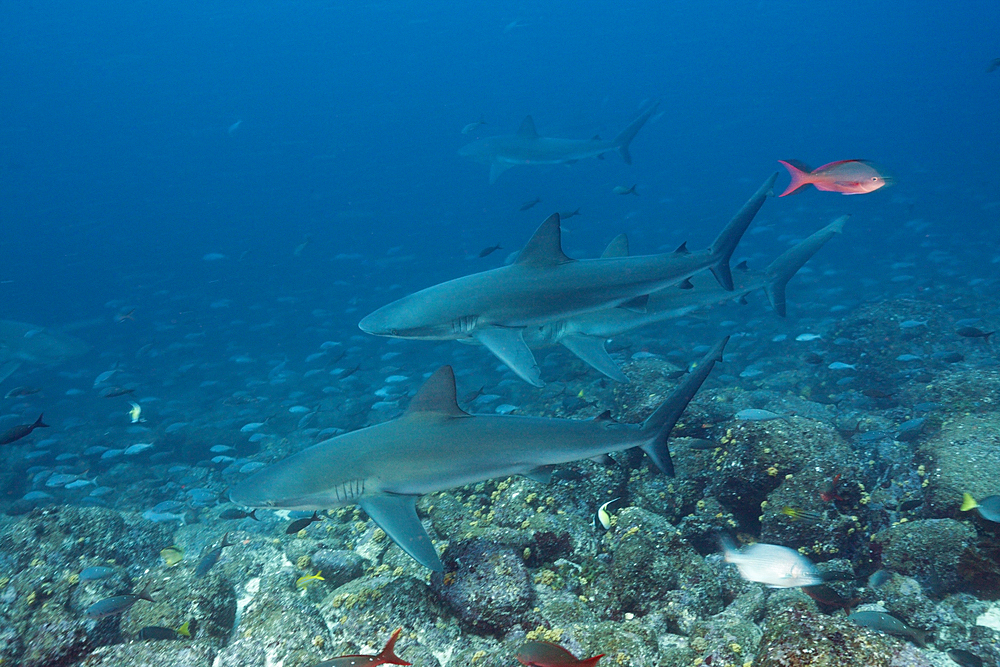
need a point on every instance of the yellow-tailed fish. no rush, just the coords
(807, 515)
(304, 582)
(172, 555)
(135, 412)
(603, 517)
(184, 630)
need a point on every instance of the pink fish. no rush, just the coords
(848, 177)
(387, 656)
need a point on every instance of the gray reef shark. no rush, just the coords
(527, 147)
(544, 285)
(435, 446)
(584, 335)
(21, 343)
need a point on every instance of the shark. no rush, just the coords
(21, 342)
(544, 285)
(435, 446)
(584, 335)
(526, 147)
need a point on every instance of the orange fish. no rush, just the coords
(848, 177)
(547, 654)
(386, 656)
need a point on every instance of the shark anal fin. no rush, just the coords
(397, 516)
(544, 248)
(509, 347)
(498, 167)
(541, 474)
(438, 395)
(591, 350)
(527, 129)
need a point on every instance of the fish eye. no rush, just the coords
(874, 178)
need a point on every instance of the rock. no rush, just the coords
(174, 653)
(338, 567)
(963, 457)
(209, 603)
(795, 638)
(60, 642)
(725, 639)
(487, 585)
(929, 550)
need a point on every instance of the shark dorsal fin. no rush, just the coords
(527, 129)
(605, 417)
(682, 249)
(544, 248)
(617, 248)
(686, 284)
(438, 395)
(742, 266)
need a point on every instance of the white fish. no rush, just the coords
(315, 356)
(298, 409)
(505, 409)
(758, 415)
(806, 337)
(111, 454)
(235, 126)
(779, 338)
(252, 426)
(841, 366)
(138, 448)
(104, 377)
(80, 483)
(221, 449)
(396, 378)
(772, 565)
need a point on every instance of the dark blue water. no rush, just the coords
(118, 171)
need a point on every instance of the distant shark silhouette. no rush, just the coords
(526, 147)
(21, 343)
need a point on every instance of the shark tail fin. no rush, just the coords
(388, 654)
(725, 243)
(781, 270)
(626, 136)
(659, 424)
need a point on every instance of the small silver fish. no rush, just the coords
(841, 366)
(772, 565)
(806, 337)
(758, 415)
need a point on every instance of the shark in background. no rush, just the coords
(584, 335)
(526, 147)
(543, 285)
(22, 343)
(435, 446)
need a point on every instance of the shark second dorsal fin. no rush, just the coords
(617, 248)
(544, 248)
(438, 395)
(527, 129)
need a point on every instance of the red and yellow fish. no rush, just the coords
(547, 654)
(848, 177)
(387, 656)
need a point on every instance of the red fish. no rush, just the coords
(848, 177)
(547, 654)
(386, 656)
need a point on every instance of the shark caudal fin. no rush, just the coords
(781, 270)
(799, 172)
(659, 424)
(725, 243)
(626, 136)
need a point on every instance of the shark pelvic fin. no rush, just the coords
(509, 347)
(498, 167)
(637, 305)
(438, 395)
(541, 474)
(397, 516)
(527, 129)
(544, 248)
(591, 351)
(617, 248)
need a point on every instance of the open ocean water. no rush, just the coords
(199, 202)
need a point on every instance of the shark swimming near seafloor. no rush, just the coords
(435, 446)
(526, 147)
(21, 342)
(544, 285)
(584, 335)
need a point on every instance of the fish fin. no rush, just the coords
(589, 662)
(39, 423)
(636, 305)
(682, 249)
(626, 136)
(527, 128)
(603, 459)
(388, 655)
(743, 300)
(509, 347)
(742, 266)
(8, 369)
(438, 395)
(659, 424)
(799, 172)
(780, 271)
(144, 594)
(590, 350)
(541, 474)
(596, 137)
(544, 248)
(605, 417)
(725, 243)
(968, 502)
(397, 516)
(686, 284)
(617, 248)
(498, 167)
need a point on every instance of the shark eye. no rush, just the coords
(393, 332)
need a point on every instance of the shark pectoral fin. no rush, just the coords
(509, 346)
(541, 474)
(591, 350)
(637, 305)
(8, 369)
(397, 516)
(496, 168)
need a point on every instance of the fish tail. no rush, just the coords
(781, 270)
(387, 655)
(725, 243)
(40, 424)
(590, 662)
(144, 594)
(659, 424)
(799, 172)
(968, 502)
(253, 515)
(626, 136)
